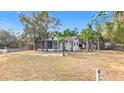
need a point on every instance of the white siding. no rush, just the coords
(68, 45)
(76, 45)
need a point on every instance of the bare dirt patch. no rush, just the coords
(32, 65)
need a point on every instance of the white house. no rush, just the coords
(72, 44)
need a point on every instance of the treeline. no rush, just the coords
(104, 27)
(9, 39)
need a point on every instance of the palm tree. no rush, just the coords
(62, 41)
(86, 35)
(118, 26)
(98, 22)
(67, 34)
(94, 39)
(108, 32)
(89, 36)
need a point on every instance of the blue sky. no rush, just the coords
(68, 20)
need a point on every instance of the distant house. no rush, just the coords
(72, 44)
(53, 44)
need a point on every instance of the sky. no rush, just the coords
(69, 19)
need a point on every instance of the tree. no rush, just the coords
(114, 30)
(67, 33)
(108, 32)
(29, 23)
(58, 35)
(63, 37)
(37, 24)
(89, 36)
(55, 33)
(118, 27)
(62, 41)
(26, 38)
(98, 22)
(86, 36)
(74, 32)
(8, 38)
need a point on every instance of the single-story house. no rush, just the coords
(53, 44)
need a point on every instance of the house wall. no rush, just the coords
(68, 45)
(60, 46)
(76, 45)
(72, 45)
(54, 44)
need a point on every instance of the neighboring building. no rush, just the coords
(72, 44)
(52, 44)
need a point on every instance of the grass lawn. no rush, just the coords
(31, 65)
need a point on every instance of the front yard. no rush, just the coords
(33, 65)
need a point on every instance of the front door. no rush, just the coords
(49, 44)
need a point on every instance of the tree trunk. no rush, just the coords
(87, 46)
(111, 42)
(63, 49)
(35, 46)
(98, 45)
(92, 47)
(102, 45)
(72, 47)
(68, 47)
(42, 44)
(46, 46)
